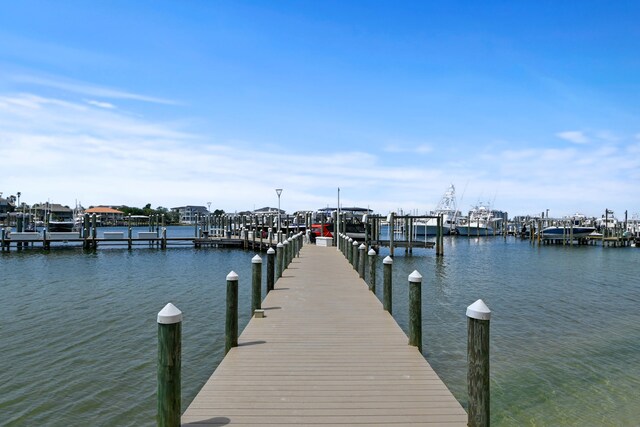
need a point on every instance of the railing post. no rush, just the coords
(354, 251)
(478, 316)
(387, 285)
(271, 254)
(231, 325)
(372, 270)
(256, 283)
(349, 247)
(169, 366)
(361, 260)
(285, 254)
(279, 261)
(415, 310)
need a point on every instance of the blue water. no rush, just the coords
(78, 329)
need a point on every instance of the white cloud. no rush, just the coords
(55, 149)
(89, 89)
(101, 104)
(577, 137)
(408, 148)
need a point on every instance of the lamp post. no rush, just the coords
(278, 192)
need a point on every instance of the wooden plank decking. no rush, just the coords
(325, 354)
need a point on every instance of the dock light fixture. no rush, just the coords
(278, 192)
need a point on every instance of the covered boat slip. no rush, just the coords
(326, 353)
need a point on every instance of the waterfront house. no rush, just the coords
(187, 214)
(107, 215)
(55, 211)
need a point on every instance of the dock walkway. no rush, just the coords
(326, 353)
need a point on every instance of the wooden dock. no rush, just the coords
(326, 353)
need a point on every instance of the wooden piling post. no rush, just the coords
(129, 232)
(354, 250)
(94, 231)
(392, 221)
(362, 260)
(372, 270)
(271, 254)
(285, 254)
(231, 325)
(478, 374)
(415, 310)
(279, 249)
(387, 284)
(169, 366)
(256, 283)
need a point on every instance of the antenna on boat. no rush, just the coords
(463, 191)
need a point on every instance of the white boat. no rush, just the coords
(608, 222)
(445, 208)
(574, 227)
(480, 222)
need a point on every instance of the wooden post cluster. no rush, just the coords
(169, 366)
(387, 284)
(415, 310)
(478, 317)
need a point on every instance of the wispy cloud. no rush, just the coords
(88, 89)
(101, 104)
(408, 148)
(576, 137)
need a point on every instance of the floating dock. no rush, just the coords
(325, 353)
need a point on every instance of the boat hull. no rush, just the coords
(577, 232)
(471, 230)
(61, 226)
(430, 230)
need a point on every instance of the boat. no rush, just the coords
(445, 208)
(60, 226)
(353, 222)
(607, 224)
(479, 222)
(574, 227)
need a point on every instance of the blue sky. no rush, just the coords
(529, 105)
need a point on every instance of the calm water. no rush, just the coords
(78, 330)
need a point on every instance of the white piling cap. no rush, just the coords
(286, 242)
(351, 239)
(355, 243)
(271, 251)
(232, 276)
(169, 315)
(371, 252)
(415, 277)
(479, 310)
(387, 260)
(362, 246)
(279, 245)
(256, 260)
